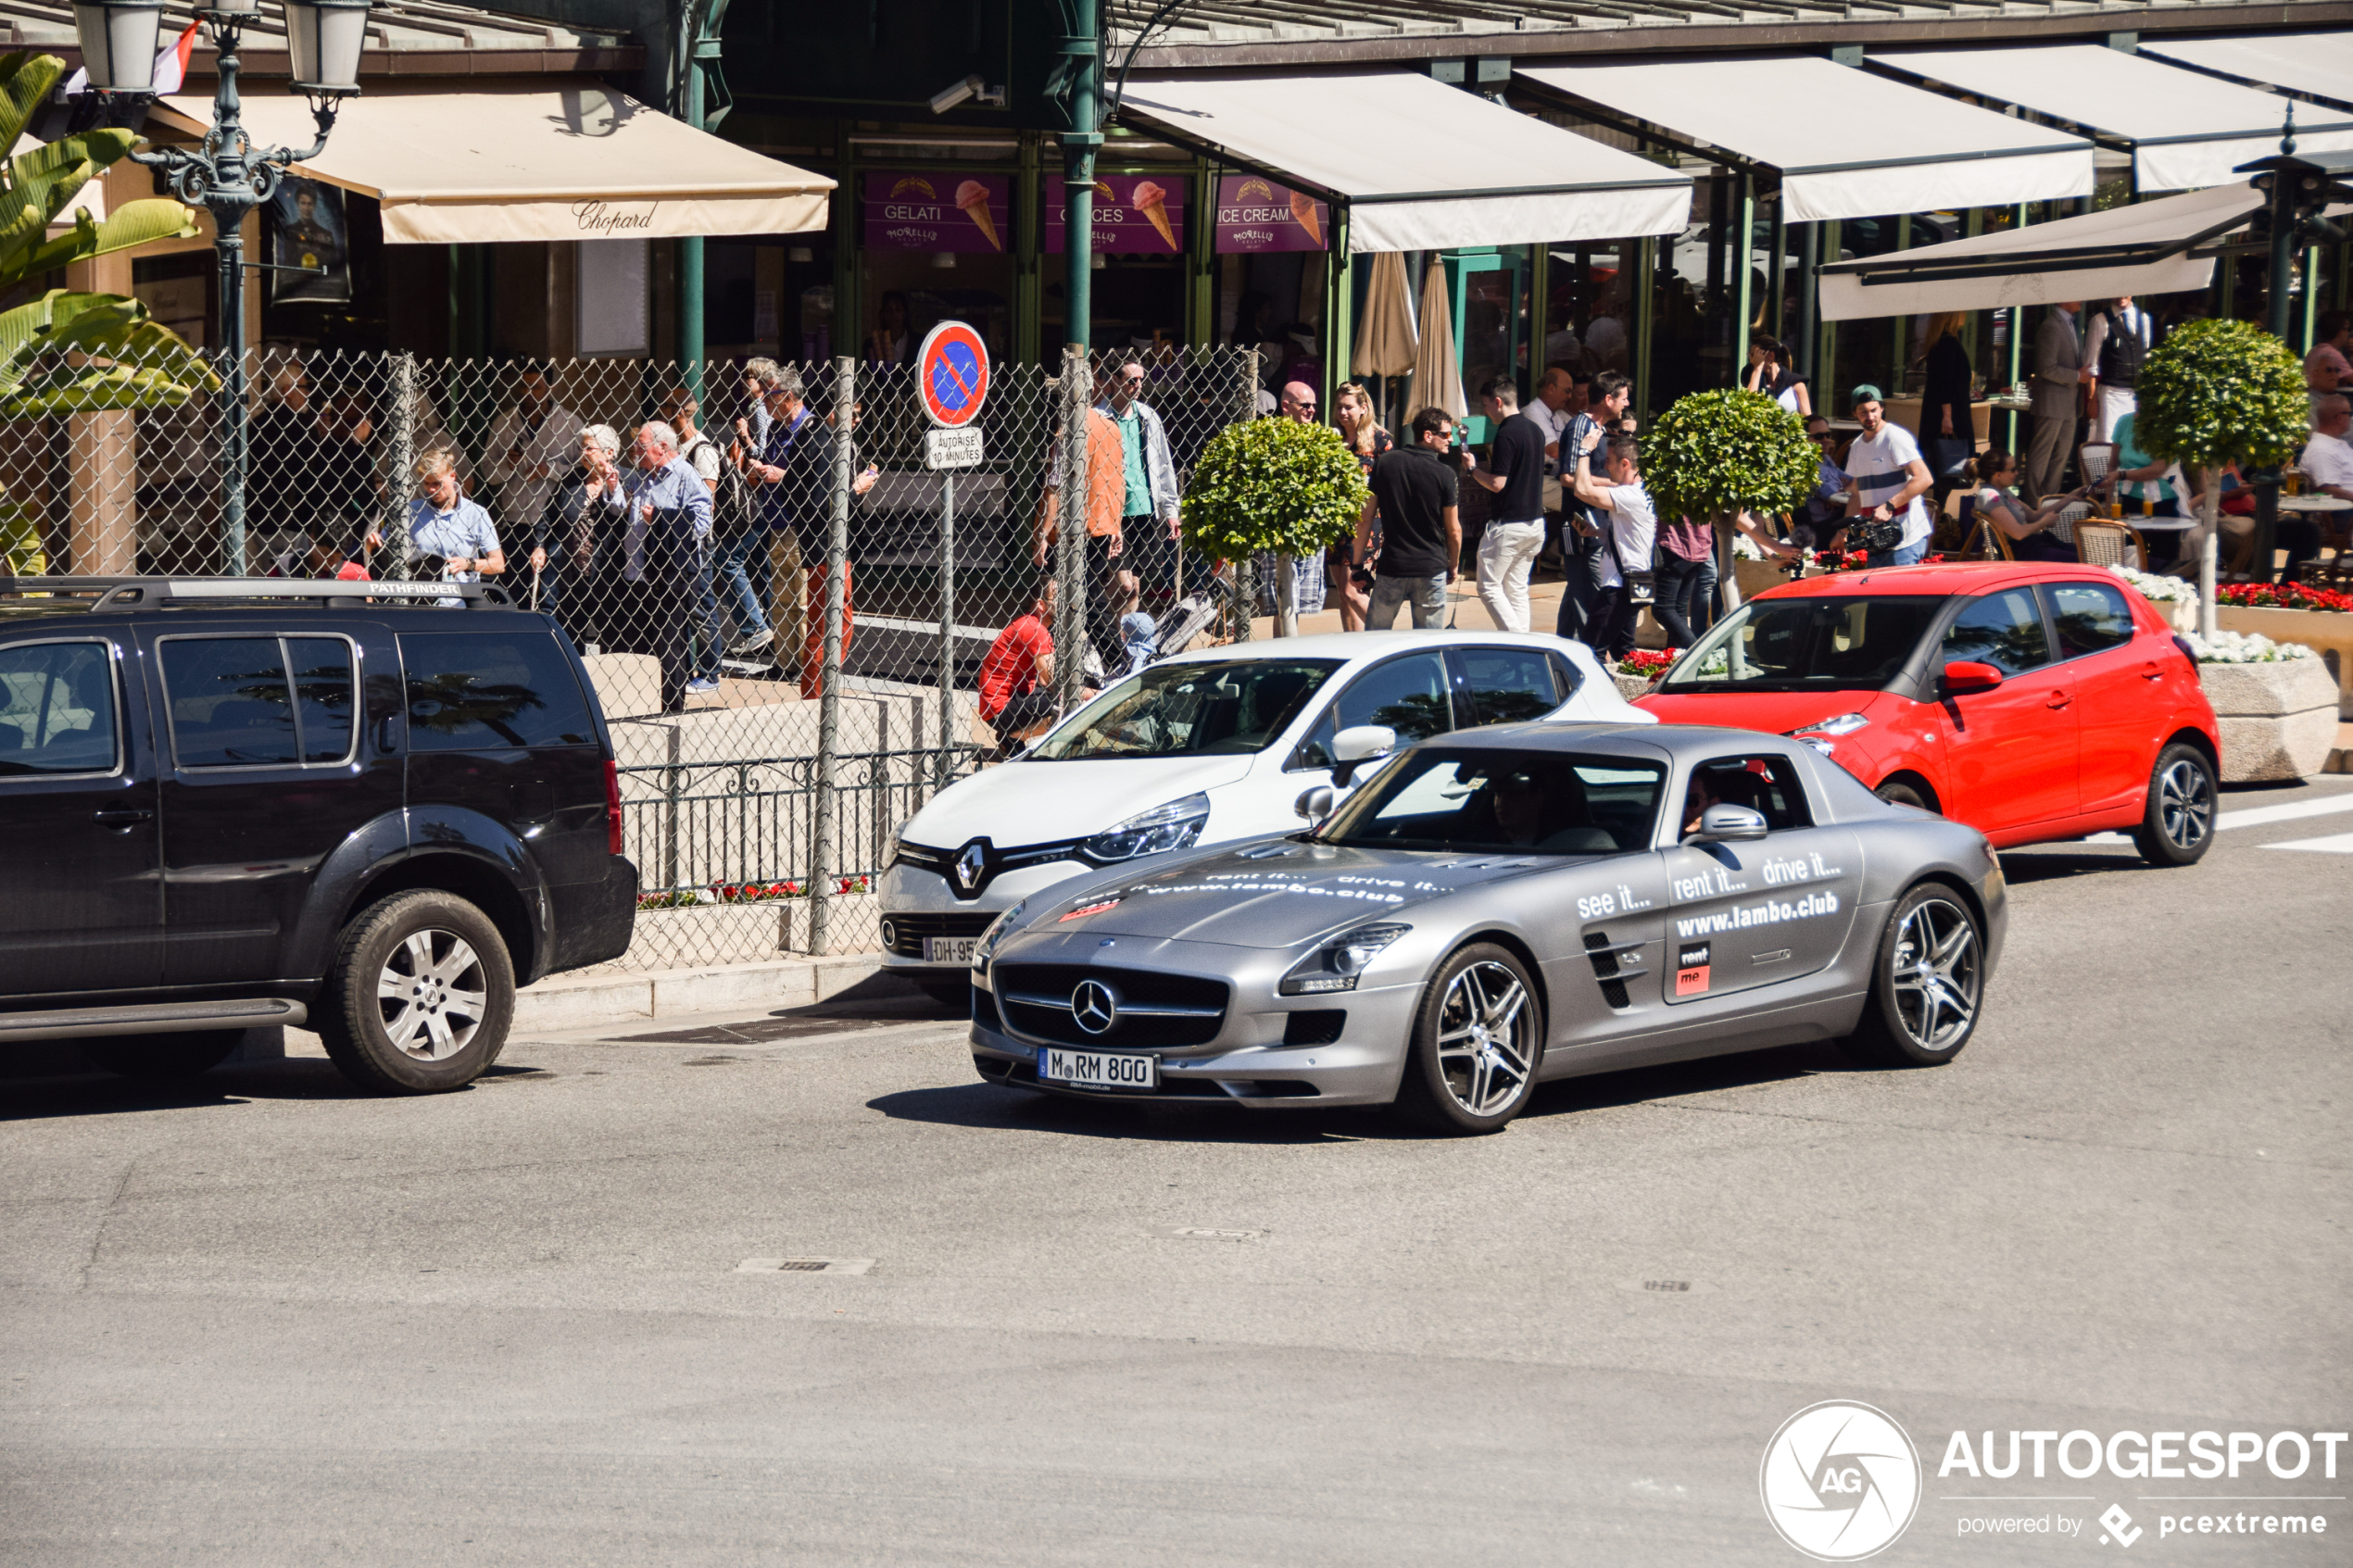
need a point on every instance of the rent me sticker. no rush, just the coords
(1691, 969)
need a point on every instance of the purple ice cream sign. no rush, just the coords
(929, 209)
(1135, 214)
(1255, 215)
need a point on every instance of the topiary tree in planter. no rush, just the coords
(1717, 453)
(2213, 393)
(1272, 485)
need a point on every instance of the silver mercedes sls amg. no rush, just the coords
(1498, 907)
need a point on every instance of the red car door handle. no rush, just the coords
(2150, 672)
(2059, 699)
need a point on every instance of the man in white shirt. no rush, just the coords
(1628, 540)
(2119, 340)
(2328, 459)
(532, 446)
(1890, 478)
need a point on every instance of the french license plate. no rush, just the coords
(949, 949)
(1099, 1070)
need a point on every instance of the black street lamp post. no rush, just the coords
(229, 176)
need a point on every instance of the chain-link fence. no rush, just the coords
(784, 692)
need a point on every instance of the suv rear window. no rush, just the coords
(489, 691)
(233, 705)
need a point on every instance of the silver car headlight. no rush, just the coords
(1173, 826)
(998, 929)
(1336, 964)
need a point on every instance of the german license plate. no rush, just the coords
(1099, 1070)
(949, 949)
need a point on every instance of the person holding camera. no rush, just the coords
(1883, 510)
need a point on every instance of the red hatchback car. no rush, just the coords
(2032, 701)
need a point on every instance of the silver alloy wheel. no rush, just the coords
(432, 993)
(1938, 975)
(2184, 805)
(1483, 1028)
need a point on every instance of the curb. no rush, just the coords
(570, 1002)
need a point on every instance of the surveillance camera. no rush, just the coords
(948, 97)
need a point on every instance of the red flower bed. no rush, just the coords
(1648, 661)
(2283, 596)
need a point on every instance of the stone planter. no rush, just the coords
(2278, 721)
(707, 934)
(1631, 686)
(2326, 632)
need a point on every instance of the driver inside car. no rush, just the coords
(1696, 802)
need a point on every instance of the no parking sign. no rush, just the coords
(952, 370)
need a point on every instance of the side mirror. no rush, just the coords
(1728, 824)
(1357, 744)
(1315, 803)
(1362, 741)
(1971, 676)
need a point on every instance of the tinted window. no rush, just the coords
(1508, 685)
(1546, 801)
(1191, 709)
(2003, 630)
(56, 709)
(323, 696)
(484, 691)
(2090, 617)
(1844, 643)
(230, 706)
(1406, 695)
(1768, 784)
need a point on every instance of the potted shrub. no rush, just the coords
(2217, 392)
(1715, 454)
(1274, 486)
(2275, 704)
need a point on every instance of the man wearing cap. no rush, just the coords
(1890, 478)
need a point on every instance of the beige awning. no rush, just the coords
(526, 161)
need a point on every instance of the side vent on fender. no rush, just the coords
(1614, 966)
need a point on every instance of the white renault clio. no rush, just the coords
(1202, 749)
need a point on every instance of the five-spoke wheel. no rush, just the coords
(1477, 1042)
(420, 995)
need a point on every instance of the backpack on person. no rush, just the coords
(731, 507)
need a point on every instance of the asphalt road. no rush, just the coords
(258, 1321)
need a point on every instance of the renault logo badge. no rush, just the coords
(1094, 1006)
(970, 865)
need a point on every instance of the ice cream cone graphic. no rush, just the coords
(1152, 202)
(973, 196)
(1303, 211)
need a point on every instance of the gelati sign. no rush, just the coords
(1133, 214)
(936, 209)
(1258, 215)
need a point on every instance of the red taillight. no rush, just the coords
(612, 807)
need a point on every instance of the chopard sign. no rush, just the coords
(603, 217)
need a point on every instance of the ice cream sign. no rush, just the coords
(929, 209)
(1135, 214)
(1256, 214)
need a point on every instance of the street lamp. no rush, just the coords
(229, 176)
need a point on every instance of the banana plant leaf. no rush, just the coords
(25, 80)
(152, 366)
(132, 224)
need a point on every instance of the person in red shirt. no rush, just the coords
(1017, 674)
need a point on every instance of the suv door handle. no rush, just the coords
(122, 816)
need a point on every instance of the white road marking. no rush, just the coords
(2334, 844)
(2258, 816)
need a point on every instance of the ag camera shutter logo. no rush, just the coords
(1840, 1481)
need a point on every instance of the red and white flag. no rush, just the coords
(171, 67)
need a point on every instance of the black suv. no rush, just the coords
(374, 808)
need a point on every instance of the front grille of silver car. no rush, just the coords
(1155, 1011)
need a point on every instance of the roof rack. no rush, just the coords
(132, 593)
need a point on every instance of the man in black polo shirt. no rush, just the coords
(1421, 531)
(1515, 473)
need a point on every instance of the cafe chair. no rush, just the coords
(2063, 526)
(2103, 541)
(2095, 461)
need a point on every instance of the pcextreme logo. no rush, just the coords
(1840, 1481)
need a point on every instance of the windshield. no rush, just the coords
(1221, 710)
(1829, 645)
(1548, 802)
